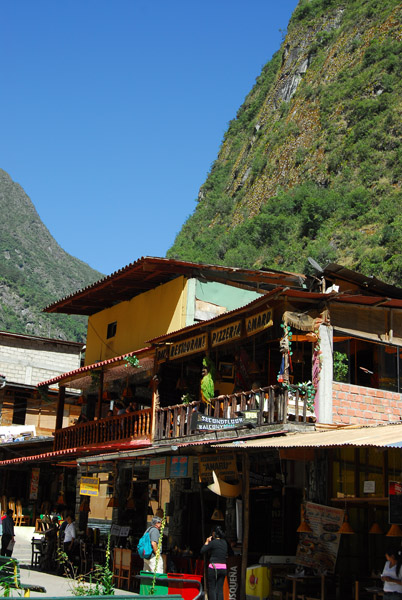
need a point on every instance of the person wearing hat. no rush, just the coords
(150, 564)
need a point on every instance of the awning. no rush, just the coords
(74, 453)
(380, 436)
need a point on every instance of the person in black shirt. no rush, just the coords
(217, 547)
(8, 533)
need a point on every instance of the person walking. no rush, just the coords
(217, 546)
(151, 564)
(392, 574)
(8, 533)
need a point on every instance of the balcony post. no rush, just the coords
(155, 404)
(98, 413)
(60, 407)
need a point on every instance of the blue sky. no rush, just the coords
(113, 111)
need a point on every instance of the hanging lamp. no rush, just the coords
(130, 500)
(394, 531)
(346, 527)
(375, 529)
(304, 527)
(217, 515)
(114, 502)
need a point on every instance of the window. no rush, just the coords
(111, 330)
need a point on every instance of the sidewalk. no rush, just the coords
(55, 586)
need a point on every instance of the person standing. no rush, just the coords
(69, 536)
(392, 574)
(150, 564)
(217, 546)
(8, 533)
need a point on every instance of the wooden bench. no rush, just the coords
(10, 577)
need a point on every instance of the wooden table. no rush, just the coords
(295, 579)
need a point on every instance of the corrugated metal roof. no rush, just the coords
(148, 272)
(381, 436)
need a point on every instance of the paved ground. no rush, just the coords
(55, 586)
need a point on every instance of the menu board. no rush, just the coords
(319, 549)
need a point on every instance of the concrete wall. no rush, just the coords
(28, 361)
(354, 404)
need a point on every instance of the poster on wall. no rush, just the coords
(34, 485)
(319, 549)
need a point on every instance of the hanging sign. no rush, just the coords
(202, 422)
(198, 343)
(224, 466)
(89, 486)
(158, 468)
(33, 488)
(258, 322)
(222, 335)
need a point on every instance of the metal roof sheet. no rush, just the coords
(148, 272)
(381, 436)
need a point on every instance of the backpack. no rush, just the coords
(144, 546)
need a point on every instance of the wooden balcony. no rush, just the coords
(112, 429)
(274, 405)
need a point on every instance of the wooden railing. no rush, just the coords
(111, 429)
(271, 404)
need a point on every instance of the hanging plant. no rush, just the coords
(132, 361)
(187, 398)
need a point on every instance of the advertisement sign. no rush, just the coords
(89, 486)
(258, 322)
(34, 485)
(395, 502)
(224, 466)
(180, 466)
(199, 343)
(319, 549)
(225, 334)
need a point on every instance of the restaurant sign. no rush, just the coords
(202, 422)
(199, 343)
(224, 466)
(89, 486)
(222, 335)
(259, 321)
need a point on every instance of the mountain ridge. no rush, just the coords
(35, 270)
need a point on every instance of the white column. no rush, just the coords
(326, 375)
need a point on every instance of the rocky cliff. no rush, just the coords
(34, 270)
(312, 163)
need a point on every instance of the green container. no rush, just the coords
(146, 584)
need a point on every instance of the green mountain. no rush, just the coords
(34, 271)
(312, 163)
